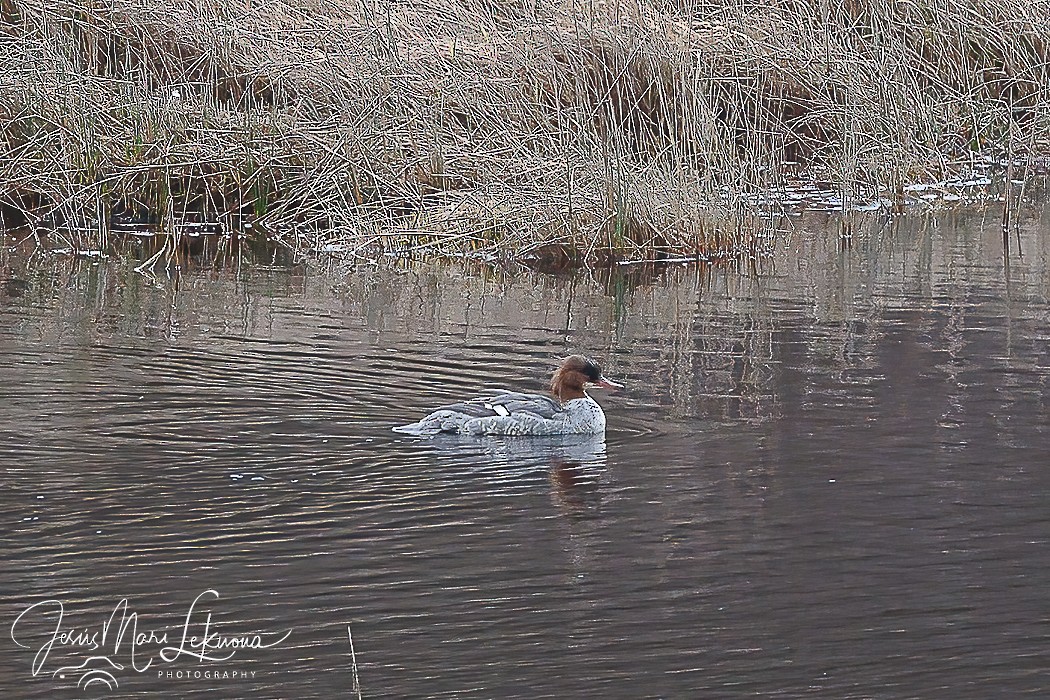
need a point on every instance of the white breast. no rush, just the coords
(585, 415)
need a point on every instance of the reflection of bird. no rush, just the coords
(526, 452)
(576, 486)
(501, 412)
(574, 464)
(89, 676)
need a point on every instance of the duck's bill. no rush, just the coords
(607, 384)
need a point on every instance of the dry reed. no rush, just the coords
(612, 128)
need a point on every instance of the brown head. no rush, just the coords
(576, 373)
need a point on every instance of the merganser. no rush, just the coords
(502, 412)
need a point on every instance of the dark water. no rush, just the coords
(827, 477)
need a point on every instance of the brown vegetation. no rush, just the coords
(527, 128)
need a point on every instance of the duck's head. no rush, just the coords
(575, 375)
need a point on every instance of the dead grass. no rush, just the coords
(606, 129)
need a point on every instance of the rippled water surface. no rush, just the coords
(828, 477)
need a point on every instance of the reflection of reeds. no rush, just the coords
(699, 341)
(463, 127)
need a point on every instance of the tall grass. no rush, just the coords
(605, 128)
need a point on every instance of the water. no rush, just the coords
(826, 478)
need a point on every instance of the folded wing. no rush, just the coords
(495, 411)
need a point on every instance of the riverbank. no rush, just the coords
(627, 130)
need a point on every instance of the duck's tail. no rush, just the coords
(419, 429)
(437, 422)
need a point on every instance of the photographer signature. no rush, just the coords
(120, 637)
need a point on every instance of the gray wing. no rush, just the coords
(500, 402)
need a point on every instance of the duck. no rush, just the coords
(568, 411)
